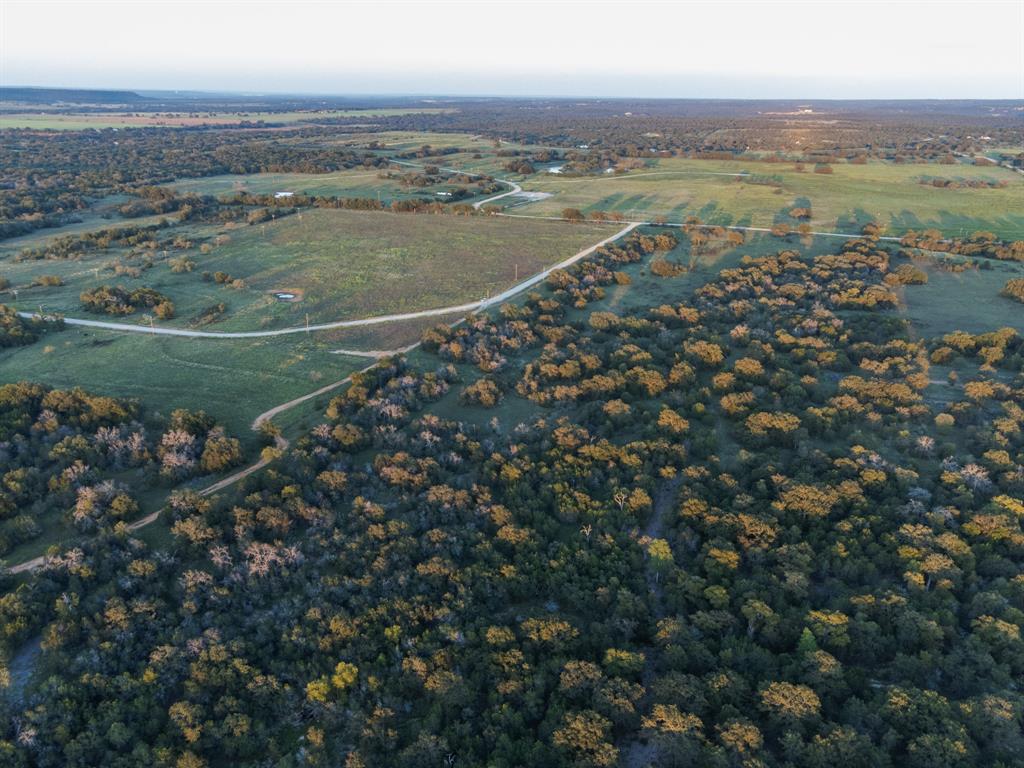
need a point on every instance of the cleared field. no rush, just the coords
(369, 184)
(233, 380)
(841, 201)
(341, 264)
(83, 121)
(966, 301)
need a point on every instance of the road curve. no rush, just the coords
(506, 295)
(154, 331)
(473, 306)
(514, 188)
(40, 561)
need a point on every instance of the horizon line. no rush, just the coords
(139, 90)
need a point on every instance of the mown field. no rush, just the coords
(343, 264)
(841, 201)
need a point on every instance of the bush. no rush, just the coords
(1014, 289)
(484, 392)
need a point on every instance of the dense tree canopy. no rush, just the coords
(738, 529)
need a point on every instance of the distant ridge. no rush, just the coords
(68, 96)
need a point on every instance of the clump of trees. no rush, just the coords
(1014, 289)
(18, 331)
(981, 244)
(961, 183)
(75, 458)
(120, 300)
(484, 392)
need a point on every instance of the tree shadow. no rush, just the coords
(854, 221)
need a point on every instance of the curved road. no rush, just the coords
(472, 306)
(254, 334)
(514, 188)
(38, 562)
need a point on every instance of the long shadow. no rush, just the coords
(609, 202)
(854, 221)
(678, 213)
(632, 203)
(711, 213)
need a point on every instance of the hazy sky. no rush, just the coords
(721, 49)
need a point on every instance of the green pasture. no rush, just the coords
(343, 264)
(234, 380)
(965, 301)
(370, 184)
(841, 201)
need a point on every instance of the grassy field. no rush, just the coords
(78, 122)
(233, 380)
(344, 265)
(965, 301)
(840, 201)
(406, 141)
(362, 183)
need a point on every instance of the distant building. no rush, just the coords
(284, 194)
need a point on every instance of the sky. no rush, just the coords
(721, 49)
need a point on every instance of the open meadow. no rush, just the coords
(369, 184)
(749, 193)
(338, 264)
(233, 379)
(965, 301)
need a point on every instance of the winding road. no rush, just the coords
(38, 562)
(475, 306)
(513, 187)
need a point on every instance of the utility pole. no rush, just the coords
(307, 322)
